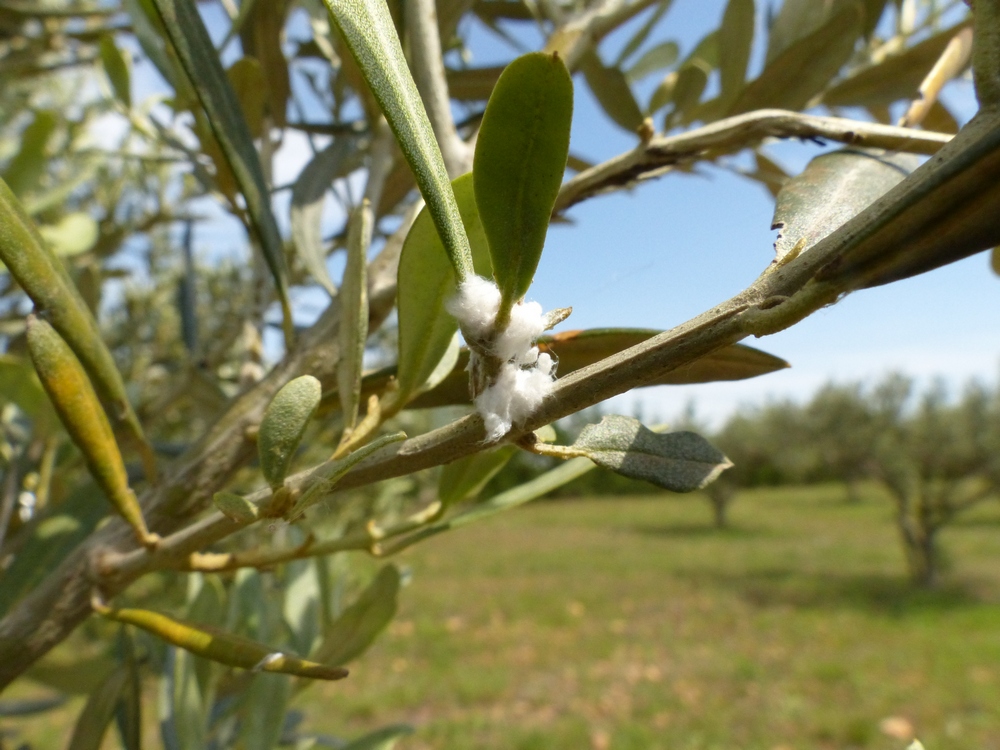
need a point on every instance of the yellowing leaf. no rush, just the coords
(74, 234)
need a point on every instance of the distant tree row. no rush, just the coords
(935, 456)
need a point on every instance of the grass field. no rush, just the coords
(630, 623)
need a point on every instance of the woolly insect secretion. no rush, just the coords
(525, 376)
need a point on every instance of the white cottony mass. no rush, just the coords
(526, 376)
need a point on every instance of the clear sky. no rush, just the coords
(671, 248)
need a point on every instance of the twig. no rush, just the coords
(733, 134)
(428, 72)
(986, 52)
(572, 39)
(11, 485)
(953, 61)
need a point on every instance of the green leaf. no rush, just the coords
(632, 45)
(75, 676)
(301, 606)
(676, 461)
(465, 478)
(370, 35)
(685, 86)
(28, 164)
(798, 19)
(191, 41)
(832, 189)
(330, 472)
(518, 168)
(382, 739)
(19, 385)
(355, 630)
(74, 234)
(995, 260)
(806, 67)
(261, 36)
(524, 493)
(425, 282)
(128, 710)
(263, 711)
(686, 93)
(655, 59)
(183, 708)
(284, 423)
(611, 89)
(473, 84)
(118, 69)
(353, 329)
(735, 42)
(248, 82)
(98, 712)
(894, 78)
(51, 541)
(236, 507)
(308, 196)
(943, 212)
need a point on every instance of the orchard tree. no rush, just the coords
(936, 462)
(216, 559)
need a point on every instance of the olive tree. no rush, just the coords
(216, 555)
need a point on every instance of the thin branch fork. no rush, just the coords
(658, 155)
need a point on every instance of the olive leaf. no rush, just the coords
(425, 282)
(465, 478)
(219, 646)
(50, 542)
(236, 507)
(676, 461)
(611, 89)
(327, 474)
(198, 57)
(381, 739)
(353, 329)
(735, 41)
(74, 233)
(80, 411)
(28, 165)
(806, 67)
(654, 59)
(473, 84)
(118, 69)
(518, 167)
(894, 78)
(355, 630)
(370, 35)
(308, 197)
(833, 188)
(98, 712)
(941, 213)
(285, 421)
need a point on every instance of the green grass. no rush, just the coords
(630, 623)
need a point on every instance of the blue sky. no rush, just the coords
(669, 249)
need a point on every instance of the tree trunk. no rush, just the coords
(920, 545)
(720, 496)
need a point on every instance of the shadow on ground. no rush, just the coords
(696, 530)
(892, 596)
